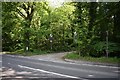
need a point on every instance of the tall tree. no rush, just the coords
(26, 11)
(8, 23)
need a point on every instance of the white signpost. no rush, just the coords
(75, 37)
(26, 48)
(51, 40)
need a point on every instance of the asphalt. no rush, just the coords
(59, 57)
(37, 68)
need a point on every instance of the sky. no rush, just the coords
(56, 3)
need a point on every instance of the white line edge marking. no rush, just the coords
(8, 63)
(0, 61)
(90, 75)
(117, 71)
(69, 63)
(48, 72)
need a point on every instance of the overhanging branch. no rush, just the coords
(20, 13)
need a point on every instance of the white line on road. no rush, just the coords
(117, 71)
(49, 72)
(90, 75)
(0, 61)
(11, 55)
(8, 63)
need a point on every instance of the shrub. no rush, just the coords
(100, 49)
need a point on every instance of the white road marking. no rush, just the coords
(117, 71)
(20, 56)
(0, 61)
(48, 72)
(19, 77)
(23, 72)
(8, 63)
(11, 55)
(103, 66)
(29, 57)
(3, 67)
(90, 75)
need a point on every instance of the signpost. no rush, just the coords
(75, 37)
(51, 40)
(26, 48)
(107, 43)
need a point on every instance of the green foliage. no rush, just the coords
(30, 25)
(72, 56)
(101, 46)
(99, 49)
(33, 52)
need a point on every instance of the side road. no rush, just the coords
(59, 58)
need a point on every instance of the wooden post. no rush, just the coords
(107, 44)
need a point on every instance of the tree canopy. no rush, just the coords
(88, 28)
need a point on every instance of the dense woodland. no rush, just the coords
(91, 29)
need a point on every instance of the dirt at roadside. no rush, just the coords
(51, 57)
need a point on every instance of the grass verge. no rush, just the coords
(34, 52)
(75, 56)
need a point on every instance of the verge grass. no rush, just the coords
(75, 56)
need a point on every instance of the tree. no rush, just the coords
(116, 28)
(28, 26)
(8, 23)
(26, 11)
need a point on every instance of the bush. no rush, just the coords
(100, 49)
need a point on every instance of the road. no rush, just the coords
(32, 68)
